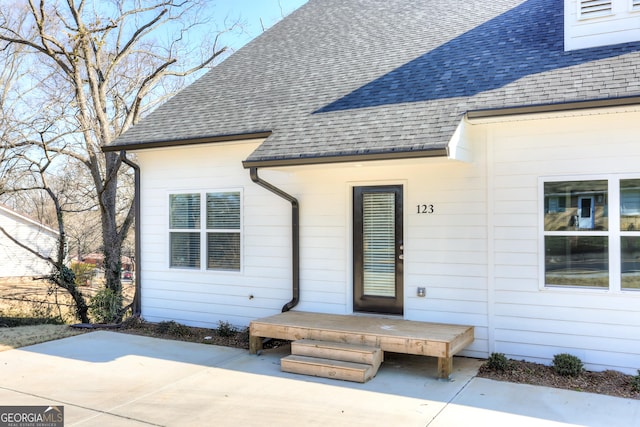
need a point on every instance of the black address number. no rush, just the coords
(425, 209)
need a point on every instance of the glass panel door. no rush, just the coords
(378, 249)
(379, 238)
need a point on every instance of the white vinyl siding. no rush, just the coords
(532, 321)
(478, 254)
(16, 261)
(201, 296)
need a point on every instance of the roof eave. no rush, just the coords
(182, 142)
(552, 107)
(347, 158)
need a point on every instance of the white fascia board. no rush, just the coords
(555, 114)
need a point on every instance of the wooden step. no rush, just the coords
(327, 368)
(338, 351)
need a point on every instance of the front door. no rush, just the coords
(377, 249)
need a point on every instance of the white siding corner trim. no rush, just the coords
(459, 147)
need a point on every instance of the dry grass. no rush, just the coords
(21, 336)
(46, 311)
(39, 299)
(35, 299)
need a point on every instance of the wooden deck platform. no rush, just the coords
(396, 335)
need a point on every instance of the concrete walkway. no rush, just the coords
(110, 379)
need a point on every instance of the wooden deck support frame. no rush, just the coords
(396, 335)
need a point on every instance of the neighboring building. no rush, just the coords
(17, 262)
(452, 162)
(97, 259)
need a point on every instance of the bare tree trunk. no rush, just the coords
(112, 237)
(101, 67)
(65, 279)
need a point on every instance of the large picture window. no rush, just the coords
(592, 233)
(630, 233)
(575, 226)
(213, 242)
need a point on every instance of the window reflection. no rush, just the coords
(577, 261)
(630, 205)
(575, 206)
(630, 259)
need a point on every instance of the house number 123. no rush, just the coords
(425, 209)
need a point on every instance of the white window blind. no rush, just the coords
(223, 231)
(223, 211)
(593, 8)
(184, 211)
(185, 250)
(184, 215)
(379, 244)
(635, 4)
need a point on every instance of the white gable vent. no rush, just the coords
(593, 8)
(592, 23)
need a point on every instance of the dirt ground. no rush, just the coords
(612, 383)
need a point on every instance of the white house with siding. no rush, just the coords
(17, 262)
(459, 162)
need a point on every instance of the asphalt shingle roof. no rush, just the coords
(354, 77)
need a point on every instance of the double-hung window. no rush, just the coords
(630, 233)
(591, 233)
(205, 230)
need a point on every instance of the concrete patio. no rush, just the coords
(113, 379)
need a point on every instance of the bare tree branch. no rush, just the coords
(100, 67)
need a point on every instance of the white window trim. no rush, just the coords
(203, 230)
(614, 233)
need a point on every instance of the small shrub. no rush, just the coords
(498, 362)
(173, 328)
(567, 365)
(133, 322)
(105, 306)
(226, 329)
(243, 334)
(83, 272)
(635, 382)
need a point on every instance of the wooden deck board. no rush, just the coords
(396, 335)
